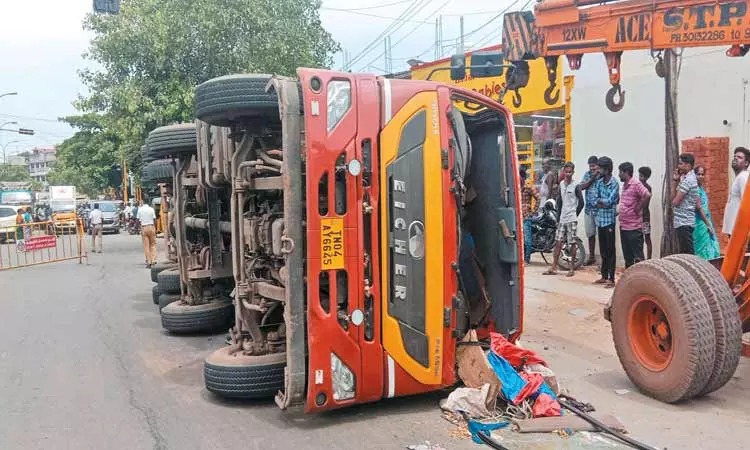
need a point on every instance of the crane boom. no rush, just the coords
(576, 27)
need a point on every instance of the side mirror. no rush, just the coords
(486, 64)
(458, 67)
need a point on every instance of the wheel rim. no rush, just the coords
(650, 334)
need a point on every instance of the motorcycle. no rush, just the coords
(133, 226)
(543, 228)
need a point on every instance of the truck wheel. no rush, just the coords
(724, 311)
(235, 375)
(662, 330)
(168, 281)
(145, 157)
(179, 317)
(173, 140)
(166, 299)
(155, 293)
(565, 260)
(232, 99)
(158, 171)
(160, 267)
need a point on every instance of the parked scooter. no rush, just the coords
(543, 229)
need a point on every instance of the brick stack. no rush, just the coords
(713, 154)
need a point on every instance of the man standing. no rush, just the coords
(685, 202)
(146, 216)
(607, 197)
(95, 222)
(528, 194)
(740, 164)
(644, 173)
(569, 204)
(633, 200)
(587, 184)
(549, 183)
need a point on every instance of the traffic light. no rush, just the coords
(107, 6)
(26, 131)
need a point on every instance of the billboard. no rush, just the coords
(532, 96)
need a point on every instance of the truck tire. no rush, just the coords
(155, 293)
(173, 140)
(237, 375)
(180, 317)
(166, 299)
(145, 157)
(159, 171)
(160, 267)
(580, 256)
(233, 99)
(663, 331)
(725, 315)
(168, 281)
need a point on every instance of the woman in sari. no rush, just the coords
(704, 235)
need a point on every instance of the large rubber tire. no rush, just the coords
(145, 157)
(168, 281)
(160, 267)
(180, 317)
(664, 289)
(155, 293)
(580, 256)
(239, 376)
(173, 140)
(166, 299)
(726, 318)
(159, 171)
(234, 99)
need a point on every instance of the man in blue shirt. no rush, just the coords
(607, 191)
(587, 184)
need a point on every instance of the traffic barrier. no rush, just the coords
(37, 243)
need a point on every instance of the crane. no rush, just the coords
(575, 27)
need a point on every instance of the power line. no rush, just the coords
(407, 14)
(492, 19)
(366, 7)
(376, 16)
(37, 119)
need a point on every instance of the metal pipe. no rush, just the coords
(197, 222)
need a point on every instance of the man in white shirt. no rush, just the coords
(127, 212)
(569, 203)
(95, 222)
(740, 164)
(147, 217)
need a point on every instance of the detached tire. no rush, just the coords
(663, 331)
(725, 315)
(179, 317)
(168, 281)
(233, 99)
(235, 375)
(173, 140)
(160, 267)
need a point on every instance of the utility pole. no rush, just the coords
(671, 149)
(388, 67)
(437, 38)
(461, 38)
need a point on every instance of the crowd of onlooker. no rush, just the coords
(605, 204)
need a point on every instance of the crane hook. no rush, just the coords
(549, 98)
(612, 104)
(517, 98)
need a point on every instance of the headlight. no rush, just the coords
(339, 100)
(342, 379)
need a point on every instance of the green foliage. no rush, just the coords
(10, 172)
(153, 54)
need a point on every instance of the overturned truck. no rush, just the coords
(373, 222)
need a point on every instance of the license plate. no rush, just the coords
(332, 243)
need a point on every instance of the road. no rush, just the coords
(84, 364)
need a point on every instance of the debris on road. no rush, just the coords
(622, 391)
(569, 422)
(425, 446)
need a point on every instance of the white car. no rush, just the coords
(7, 222)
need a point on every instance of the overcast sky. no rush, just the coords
(42, 42)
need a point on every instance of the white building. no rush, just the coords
(40, 163)
(712, 102)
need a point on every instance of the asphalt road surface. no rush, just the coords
(85, 364)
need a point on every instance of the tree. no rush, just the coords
(9, 172)
(153, 54)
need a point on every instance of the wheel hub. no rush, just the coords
(650, 334)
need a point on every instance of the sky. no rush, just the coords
(42, 43)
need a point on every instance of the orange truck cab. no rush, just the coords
(375, 221)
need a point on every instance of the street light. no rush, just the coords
(13, 122)
(8, 93)
(5, 146)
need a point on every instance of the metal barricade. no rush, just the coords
(35, 243)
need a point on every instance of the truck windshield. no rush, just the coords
(63, 207)
(15, 198)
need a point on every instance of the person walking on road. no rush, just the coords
(685, 202)
(569, 204)
(644, 173)
(607, 197)
(633, 201)
(147, 216)
(740, 164)
(528, 194)
(95, 222)
(587, 184)
(704, 236)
